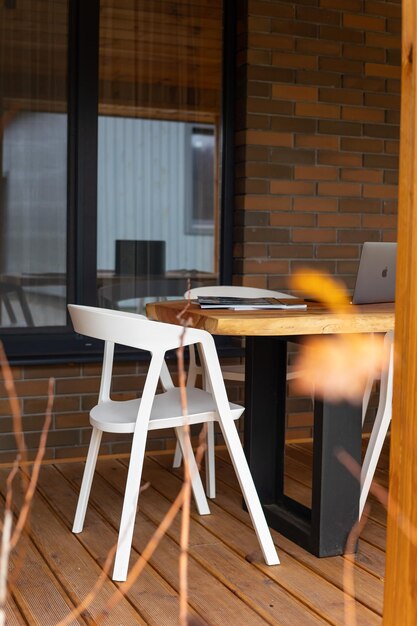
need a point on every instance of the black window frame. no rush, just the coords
(49, 345)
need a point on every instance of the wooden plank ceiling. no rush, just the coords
(153, 56)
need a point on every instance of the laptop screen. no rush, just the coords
(375, 281)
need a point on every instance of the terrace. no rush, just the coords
(228, 581)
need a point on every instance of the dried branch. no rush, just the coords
(348, 569)
(24, 513)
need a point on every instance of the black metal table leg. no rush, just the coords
(323, 530)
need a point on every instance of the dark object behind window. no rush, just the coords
(140, 258)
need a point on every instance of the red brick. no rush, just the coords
(386, 161)
(355, 6)
(291, 124)
(379, 221)
(337, 252)
(357, 236)
(340, 220)
(269, 107)
(386, 101)
(246, 185)
(383, 40)
(320, 78)
(380, 191)
(315, 172)
(270, 41)
(264, 266)
(259, 24)
(341, 34)
(343, 66)
(339, 158)
(291, 251)
(359, 205)
(384, 131)
(363, 22)
(291, 188)
(393, 85)
(394, 26)
(268, 203)
(268, 138)
(317, 141)
(317, 110)
(319, 235)
(386, 9)
(258, 121)
(259, 90)
(359, 144)
(341, 96)
(362, 175)
(393, 117)
(340, 128)
(293, 219)
(267, 170)
(294, 27)
(315, 204)
(259, 57)
(319, 46)
(270, 235)
(379, 69)
(294, 92)
(366, 84)
(339, 189)
(318, 15)
(363, 53)
(294, 60)
(292, 156)
(362, 114)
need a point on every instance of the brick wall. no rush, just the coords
(317, 141)
(317, 136)
(317, 118)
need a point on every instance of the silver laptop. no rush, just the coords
(375, 281)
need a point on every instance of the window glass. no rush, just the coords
(33, 163)
(158, 149)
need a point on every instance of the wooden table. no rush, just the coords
(324, 528)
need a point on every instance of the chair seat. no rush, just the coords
(120, 416)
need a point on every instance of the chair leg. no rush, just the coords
(249, 491)
(373, 451)
(196, 484)
(210, 462)
(87, 480)
(177, 456)
(366, 396)
(216, 384)
(130, 503)
(380, 427)
(209, 458)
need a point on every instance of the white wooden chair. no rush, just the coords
(154, 411)
(380, 425)
(230, 372)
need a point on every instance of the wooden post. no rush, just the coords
(400, 605)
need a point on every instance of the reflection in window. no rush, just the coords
(160, 114)
(33, 163)
(200, 209)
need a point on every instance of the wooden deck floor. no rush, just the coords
(228, 583)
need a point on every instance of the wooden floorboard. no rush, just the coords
(228, 581)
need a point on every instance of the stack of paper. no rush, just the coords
(220, 302)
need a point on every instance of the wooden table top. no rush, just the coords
(315, 320)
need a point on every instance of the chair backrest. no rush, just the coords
(235, 291)
(131, 329)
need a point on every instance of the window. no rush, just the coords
(110, 161)
(201, 202)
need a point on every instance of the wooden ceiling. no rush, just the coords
(157, 58)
